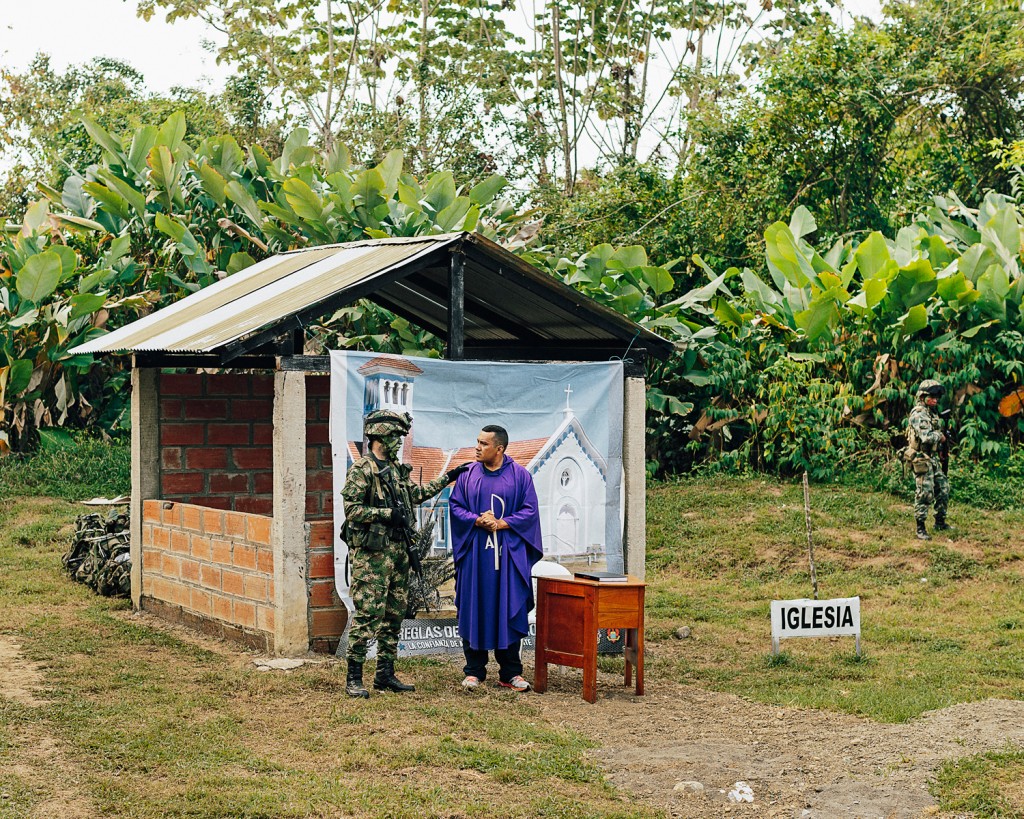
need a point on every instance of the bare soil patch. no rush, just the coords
(38, 760)
(798, 762)
(20, 679)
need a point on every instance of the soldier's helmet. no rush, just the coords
(383, 423)
(932, 388)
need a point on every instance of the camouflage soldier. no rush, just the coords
(379, 497)
(924, 441)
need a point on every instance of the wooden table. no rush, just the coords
(569, 613)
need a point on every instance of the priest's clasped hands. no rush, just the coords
(490, 523)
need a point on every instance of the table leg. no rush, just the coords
(640, 654)
(590, 648)
(629, 653)
(540, 658)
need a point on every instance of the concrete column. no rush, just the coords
(145, 415)
(288, 530)
(634, 469)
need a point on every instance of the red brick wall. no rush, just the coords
(327, 614)
(209, 565)
(216, 442)
(319, 471)
(214, 570)
(216, 469)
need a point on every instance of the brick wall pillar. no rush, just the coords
(634, 468)
(288, 534)
(145, 470)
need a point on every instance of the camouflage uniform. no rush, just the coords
(380, 562)
(924, 437)
(100, 554)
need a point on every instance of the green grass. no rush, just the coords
(994, 483)
(150, 725)
(934, 614)
(990, 786)
(81, 467)
(939, 618)
(153, 725)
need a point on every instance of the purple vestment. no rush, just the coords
(493, 605)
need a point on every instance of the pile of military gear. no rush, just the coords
(99, 555)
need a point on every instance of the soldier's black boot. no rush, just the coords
(354, 681)
(940, 523)
(922, 533)
(385, 679)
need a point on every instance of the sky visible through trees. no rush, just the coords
(182, 54)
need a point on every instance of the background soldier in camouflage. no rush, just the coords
(924, 440)
(379, 497)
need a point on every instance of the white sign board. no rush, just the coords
(815, 618)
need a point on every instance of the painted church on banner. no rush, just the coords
(569, 472)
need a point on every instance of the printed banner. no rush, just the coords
(564, 423)
(441, 636)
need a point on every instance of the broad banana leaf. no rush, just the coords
(39, 277)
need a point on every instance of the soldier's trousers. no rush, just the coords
(380, 589)
(930, 487)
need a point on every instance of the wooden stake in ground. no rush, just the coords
(810, 543)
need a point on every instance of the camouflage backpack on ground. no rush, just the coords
(99, 555)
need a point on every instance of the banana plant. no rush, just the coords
(49, 302)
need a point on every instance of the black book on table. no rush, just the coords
(602, 577)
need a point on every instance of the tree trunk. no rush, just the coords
(424, 20)
(563, 111)
(327, 130)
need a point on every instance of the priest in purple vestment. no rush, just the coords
(496, 541)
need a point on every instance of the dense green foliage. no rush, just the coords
(43, 132)
(791, 355)
(156, 219)
(816, 360)
(808, 363)
(862, 124)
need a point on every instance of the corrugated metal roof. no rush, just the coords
(507, 303)
(257, 296)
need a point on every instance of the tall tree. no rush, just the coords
(863, 124)
(539, 87)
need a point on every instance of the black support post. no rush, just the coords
(456, 307)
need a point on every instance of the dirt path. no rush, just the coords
(800, 763)
(36, 759)
(20, 680)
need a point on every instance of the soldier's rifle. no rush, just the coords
(950, 432)
(406, 531)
